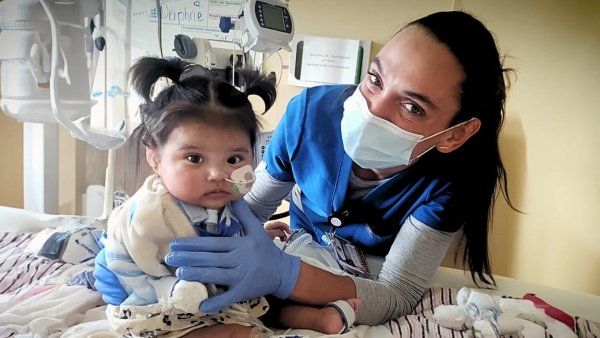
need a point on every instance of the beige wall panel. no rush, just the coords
(11, 162)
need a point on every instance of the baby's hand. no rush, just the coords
(277, 229)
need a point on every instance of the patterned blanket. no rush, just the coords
(21, 272)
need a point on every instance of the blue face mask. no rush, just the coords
(375, 143)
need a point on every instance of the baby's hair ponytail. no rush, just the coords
(260, 85)
(146, 71)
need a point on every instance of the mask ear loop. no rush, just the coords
(420, 155)
(437, 134)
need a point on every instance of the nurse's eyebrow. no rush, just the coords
(409, 93)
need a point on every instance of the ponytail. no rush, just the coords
(260, 85)
(146, 71)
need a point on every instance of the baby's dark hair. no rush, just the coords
(194, 98)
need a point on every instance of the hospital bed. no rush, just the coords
(87, 318)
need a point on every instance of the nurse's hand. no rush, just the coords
(107, 283)
(250, 266)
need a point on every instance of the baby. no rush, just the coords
(199, 135)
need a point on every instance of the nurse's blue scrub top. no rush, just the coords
(307, 148)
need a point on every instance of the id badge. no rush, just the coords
(350, 258)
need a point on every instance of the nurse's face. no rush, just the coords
(414, 82)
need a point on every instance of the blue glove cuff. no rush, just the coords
(289, 278)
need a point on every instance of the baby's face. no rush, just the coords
(196, 160)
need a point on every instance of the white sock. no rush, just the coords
(187, 296)
(452, 317)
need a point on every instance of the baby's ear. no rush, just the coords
(153, 158)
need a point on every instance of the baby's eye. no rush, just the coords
(195, 158)
(234, 160)
(413, 109)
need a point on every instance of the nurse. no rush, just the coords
(399, 166)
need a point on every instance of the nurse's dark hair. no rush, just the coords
(483, 95)
(194, 98)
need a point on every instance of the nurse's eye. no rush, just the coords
(373, 79)
(195, 159)
(234, 160)
(413, 109)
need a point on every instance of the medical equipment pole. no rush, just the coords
(40, 167)
(109, 188)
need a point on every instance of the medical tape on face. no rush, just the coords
(242, 179)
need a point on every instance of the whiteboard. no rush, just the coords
(195, 18)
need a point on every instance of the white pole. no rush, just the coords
(109, 185)
(40, 167)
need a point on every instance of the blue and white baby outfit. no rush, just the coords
(138, 236)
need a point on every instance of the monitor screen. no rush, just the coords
(273, 17)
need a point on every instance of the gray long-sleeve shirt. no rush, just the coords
(414, 256)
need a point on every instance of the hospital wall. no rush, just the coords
(11, 162)
(79, 165)
(549, 143)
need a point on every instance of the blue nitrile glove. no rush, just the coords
(250, 266)
(106, 281)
